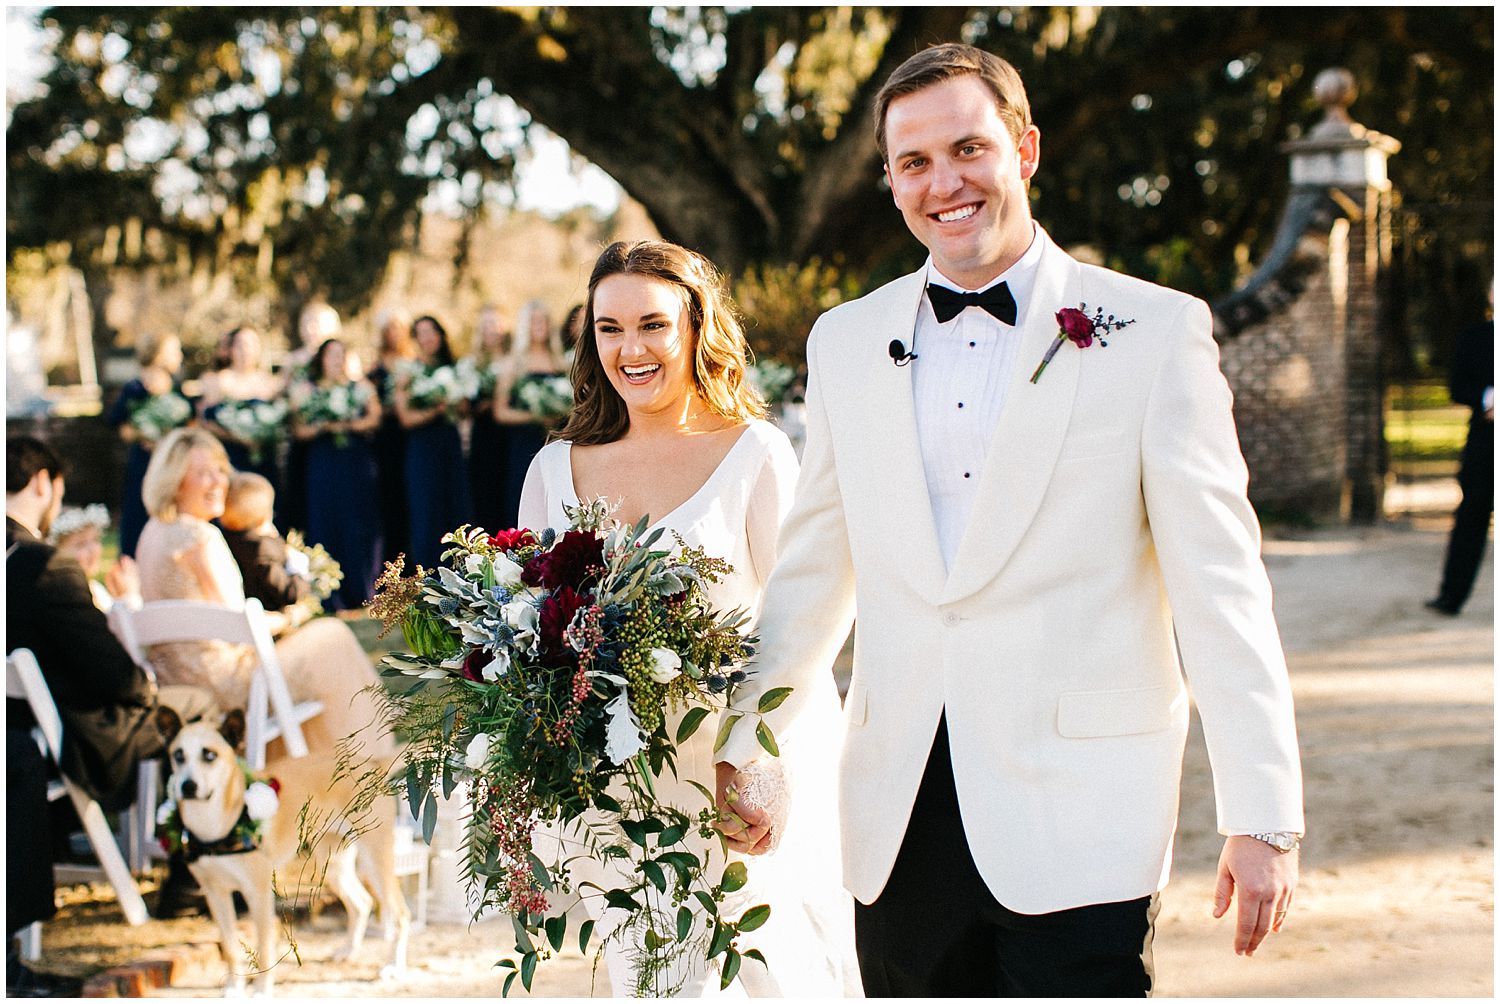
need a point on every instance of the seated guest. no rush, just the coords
(79, 534)
(272, 572)
(183, 556)
(107, 703)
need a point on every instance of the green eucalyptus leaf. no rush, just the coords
(505, 989)
(429, 818)
(753, 918)
(723, 935)
(690, 723)
(767, 740)
(558, 926)
(771, 699)
(724, 730)
(734, 878)
(684, 923)
(584, 933)
(528, 969)
(653, 872)
(731, 969)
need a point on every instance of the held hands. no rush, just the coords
(747, 829)
(1265, 880)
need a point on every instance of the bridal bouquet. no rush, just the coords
(342, 402)
(159, 414)
(257, 424)
(441, 387)
(547, 671)
(547, 396)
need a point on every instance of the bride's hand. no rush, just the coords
(746, 828)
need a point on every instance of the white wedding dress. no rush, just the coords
(809, 939)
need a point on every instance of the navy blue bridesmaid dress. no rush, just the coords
(133, 515)
(437, 488)
(390, 471)
(341, 480)
(489, 443)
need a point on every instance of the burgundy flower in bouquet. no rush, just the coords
(554, 617)
(568, 562)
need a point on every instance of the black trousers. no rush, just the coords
(1471, 521)
(937, 931)
(28, 839)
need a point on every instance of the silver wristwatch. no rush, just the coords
(1282, 841)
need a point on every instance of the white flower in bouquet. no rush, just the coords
(165, 812)
(261, 801)
(623, 735)
(666, 665)
(478, 751)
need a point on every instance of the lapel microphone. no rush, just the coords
(898, 353)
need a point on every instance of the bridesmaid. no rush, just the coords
(317, 323)
(536, 352)
(246, 380)
(395, 351)
(437, 483)
(160, 357)
(487, 440)
(341, 474)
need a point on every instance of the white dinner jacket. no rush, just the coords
(1111, 527)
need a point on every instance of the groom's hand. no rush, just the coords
(746, 828)
(1264, 878)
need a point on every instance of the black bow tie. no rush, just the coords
(949, 303)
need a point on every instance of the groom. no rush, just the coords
(1027, 549)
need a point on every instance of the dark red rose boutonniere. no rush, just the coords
(1076, 325)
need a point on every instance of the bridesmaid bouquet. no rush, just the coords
(547, 396)
(343, 402)
(257, 424)
(557, 674)
(324, 574)
(481, 378)
(159, 414)
(441, 386)
(772, 379)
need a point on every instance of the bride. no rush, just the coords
(666, 425)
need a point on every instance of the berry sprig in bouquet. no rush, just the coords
(558, 673)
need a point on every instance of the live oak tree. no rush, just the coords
(293, 148)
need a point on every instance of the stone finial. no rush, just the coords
(1339, 152)
(1335, 89)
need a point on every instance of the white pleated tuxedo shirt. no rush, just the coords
(959, 382)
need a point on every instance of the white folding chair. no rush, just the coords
(24, 681)
(271, 713)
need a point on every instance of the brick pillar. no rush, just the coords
(1346, 161)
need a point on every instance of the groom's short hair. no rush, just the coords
(937, 63)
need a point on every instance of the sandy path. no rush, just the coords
(1395, 710)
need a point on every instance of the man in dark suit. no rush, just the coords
(106, 701)
(1471, 383)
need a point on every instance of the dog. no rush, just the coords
(209, 787)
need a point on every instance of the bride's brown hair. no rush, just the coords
(719, 351)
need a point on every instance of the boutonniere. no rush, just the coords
(1074, 324)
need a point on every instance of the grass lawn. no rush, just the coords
(1422, 425)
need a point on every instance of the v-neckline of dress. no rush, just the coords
(712, 477)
